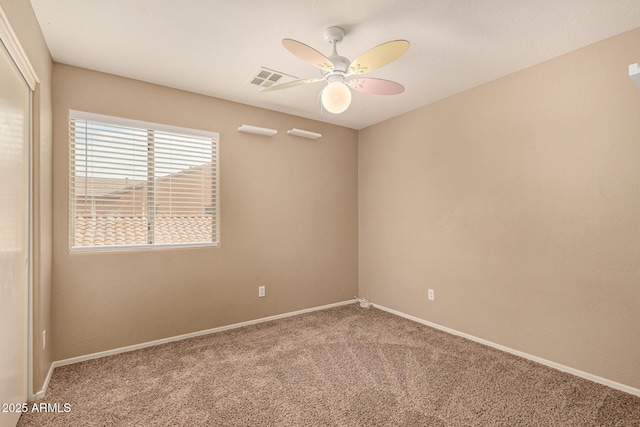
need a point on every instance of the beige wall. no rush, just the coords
(24, 23)
(288, 220)
(518, 202)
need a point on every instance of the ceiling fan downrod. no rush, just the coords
(334, 35)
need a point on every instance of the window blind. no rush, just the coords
(136, 183)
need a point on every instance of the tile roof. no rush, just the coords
(132, 230)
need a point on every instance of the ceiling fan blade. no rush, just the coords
(378, 56)
(308, 54)
(376, 86)
(292, 84)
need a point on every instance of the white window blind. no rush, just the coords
(135, 183)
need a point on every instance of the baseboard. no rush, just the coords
(549, 363)
(40, 394)
(189, 335)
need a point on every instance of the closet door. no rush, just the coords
(15, 99)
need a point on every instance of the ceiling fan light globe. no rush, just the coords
(336, 97)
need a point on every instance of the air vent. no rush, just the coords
(266, 77)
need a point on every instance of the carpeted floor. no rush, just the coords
(345, 366)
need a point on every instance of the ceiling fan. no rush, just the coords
(341, 75)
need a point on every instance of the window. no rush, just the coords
(138, 184)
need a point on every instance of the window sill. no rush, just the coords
(140, 248)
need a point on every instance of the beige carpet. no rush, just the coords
(345, 366)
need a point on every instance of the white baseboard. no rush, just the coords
(558, 366)
(40, 394)
(187, 336)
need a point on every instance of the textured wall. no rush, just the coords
(288, 220)
(519, 203)
(24, 23)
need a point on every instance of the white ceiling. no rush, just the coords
(214, 47)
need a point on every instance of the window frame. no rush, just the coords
(149, 126)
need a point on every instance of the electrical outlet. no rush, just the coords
(431, 294)
(44, 339)
(261, 291)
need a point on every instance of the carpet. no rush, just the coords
(345, 366)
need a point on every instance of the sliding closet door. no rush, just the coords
(15, 98)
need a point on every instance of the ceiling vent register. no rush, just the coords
(266, 77)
